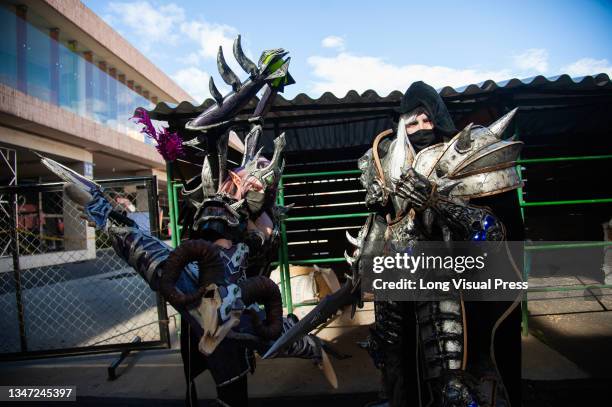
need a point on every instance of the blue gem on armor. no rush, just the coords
(488, 221)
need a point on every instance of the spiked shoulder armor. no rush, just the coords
(474, 163)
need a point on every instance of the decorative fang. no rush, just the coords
(208, 188)
(464, 140)
(235, 143)
(270, 174)
(250, 144)
(244, 62)
(226, 73)
(448, 187)
(354, 241)
(215, 92)
(350, 260)
(502, 123)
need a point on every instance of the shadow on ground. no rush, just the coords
(566, 393)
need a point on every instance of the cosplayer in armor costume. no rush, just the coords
(421, 185)
(432, 183)
(218, 277)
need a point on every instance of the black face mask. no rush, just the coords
(423, 138)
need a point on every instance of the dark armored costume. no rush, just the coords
(423, 187)
(217, 278)
(435, 185)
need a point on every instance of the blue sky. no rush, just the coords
(382, 45)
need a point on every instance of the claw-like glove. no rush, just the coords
(416, 189)
(375, 194)
(464, 221)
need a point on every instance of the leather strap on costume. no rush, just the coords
(377, 163)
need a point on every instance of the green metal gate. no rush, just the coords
(305, 177)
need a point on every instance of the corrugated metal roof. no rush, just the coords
(370, 99)
(559, 82)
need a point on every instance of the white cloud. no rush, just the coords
(194, 81)
(149, 24)
(164, 24)
(534, 59)
(588, 66)
(346, 71)
(193, 58)
(210, 36)
(333, 41)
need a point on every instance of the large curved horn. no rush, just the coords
(226, 72)
(262, 290)
(214, 91)
(502, 123)
(244, 62)
(209, 264)
(464, 140)
(350, 260)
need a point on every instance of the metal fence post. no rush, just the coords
(171, 209)
(162, 311)
(284, 259)
(17, 272)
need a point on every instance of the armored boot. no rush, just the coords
(442, 344)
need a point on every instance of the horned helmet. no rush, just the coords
(241, 193)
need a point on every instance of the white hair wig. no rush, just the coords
(400, 148)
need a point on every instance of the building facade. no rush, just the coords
(68, 85)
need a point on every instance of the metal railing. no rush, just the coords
(527, 257)
(63, 290)
(283, 254)
(283, 251)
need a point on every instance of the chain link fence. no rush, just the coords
(63, 290)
